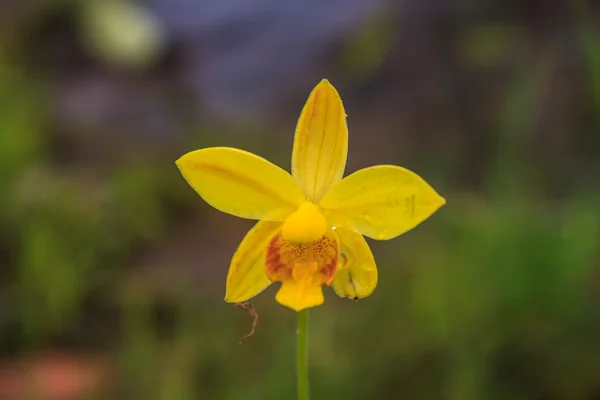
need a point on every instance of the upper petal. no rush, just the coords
(247, 276)
(356, 277)
(381, 202)
(321, 142)
(241, 183)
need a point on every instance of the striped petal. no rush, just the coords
(241, 183)
(381, 202)
(321, 142)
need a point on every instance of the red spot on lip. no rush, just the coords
(274, 267)
(281, 257)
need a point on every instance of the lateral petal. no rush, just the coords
(381, 202)
(241, 183)
(356, 276)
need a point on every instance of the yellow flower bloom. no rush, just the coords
(312, 222)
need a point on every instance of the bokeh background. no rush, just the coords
(112, 269)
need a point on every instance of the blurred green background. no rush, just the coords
(113, 270)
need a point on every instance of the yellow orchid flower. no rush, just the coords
(312, 222)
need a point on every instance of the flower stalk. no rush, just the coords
(302, 356)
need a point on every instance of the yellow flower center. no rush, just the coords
(305, 225)
(302, 268)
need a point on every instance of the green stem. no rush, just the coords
(302, 356)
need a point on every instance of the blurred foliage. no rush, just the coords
(106, 252)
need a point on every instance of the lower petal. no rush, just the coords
(356, 276)
(247, 277)
(302, 269)
(299, 295)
